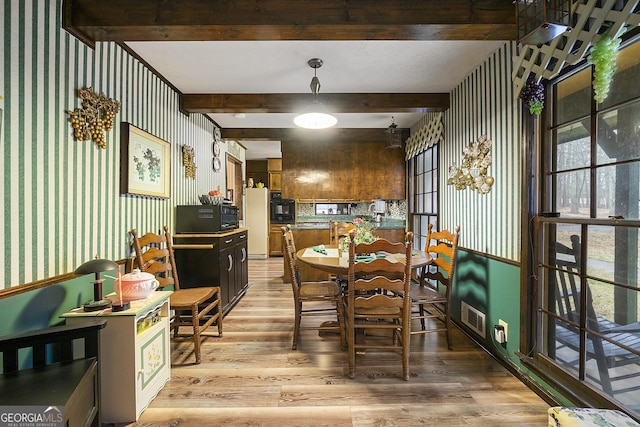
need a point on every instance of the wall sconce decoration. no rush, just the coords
(94, 118)
(188, 161)
(472, 172)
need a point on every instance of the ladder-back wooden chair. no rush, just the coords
(339, 230)
(605, 340)
(312, 298)
(429, 302)
(377, 298)
(198, 308)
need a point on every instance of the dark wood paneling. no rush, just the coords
(342, 170)
(310, 135)
(197, 20)
(335, 102)
(257, 169)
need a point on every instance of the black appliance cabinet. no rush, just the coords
(218, 259)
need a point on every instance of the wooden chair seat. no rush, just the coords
(325, 288)
(187, 297)
(425, 294)
(198, 308)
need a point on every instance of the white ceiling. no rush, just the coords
(281, 67)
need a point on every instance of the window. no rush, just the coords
(423, 201)
(587, 271)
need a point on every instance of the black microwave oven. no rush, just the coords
(206, 218)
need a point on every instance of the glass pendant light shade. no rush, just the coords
(315, 116)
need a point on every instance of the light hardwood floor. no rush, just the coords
(251, 377)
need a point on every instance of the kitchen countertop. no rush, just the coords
(321, 223)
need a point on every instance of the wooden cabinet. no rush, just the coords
(274, 165)
(135, 360)
(257, 170)
(275, 240)
(338, 169)
(214, 260)
(275, 183)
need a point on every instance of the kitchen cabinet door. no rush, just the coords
(274, 181)
(275, 240)
(226, 257)
(241, 267)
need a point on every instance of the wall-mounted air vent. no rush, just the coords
(473, 318)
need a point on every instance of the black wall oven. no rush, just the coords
(282, 211)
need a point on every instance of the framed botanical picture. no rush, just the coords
(145, 163)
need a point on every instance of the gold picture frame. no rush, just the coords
(145, 163)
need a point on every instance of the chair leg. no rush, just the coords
(447, 325)
(176, 323)
(296, 326)
(421, 313)
(219, 313)
(351, 347)
(406, 345)
(341, 324)
(196, 332)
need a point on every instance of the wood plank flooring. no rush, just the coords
(251, 377)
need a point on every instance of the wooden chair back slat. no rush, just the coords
(378, 296)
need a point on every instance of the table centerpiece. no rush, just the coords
(364, 234)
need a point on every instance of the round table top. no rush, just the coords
(333, 263)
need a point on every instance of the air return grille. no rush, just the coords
(473, 318)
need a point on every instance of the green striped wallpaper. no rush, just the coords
(484, 104)
(62, 204)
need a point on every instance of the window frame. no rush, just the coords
(536, 307)
(423, 176)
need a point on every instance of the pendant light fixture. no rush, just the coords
(394, 135)
(315, 116)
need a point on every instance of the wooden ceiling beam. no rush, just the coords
(335, 102)
(297, 134)
(199, 20)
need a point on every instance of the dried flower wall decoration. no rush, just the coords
(188, 161)
(472, 173)
(94, 118)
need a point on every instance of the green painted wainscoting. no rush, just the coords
(41, 308)
(492, 286)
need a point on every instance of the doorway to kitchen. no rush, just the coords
(234, 183)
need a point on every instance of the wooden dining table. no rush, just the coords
(333, 263)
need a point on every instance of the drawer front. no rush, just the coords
(227, 241)
(241, 237)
